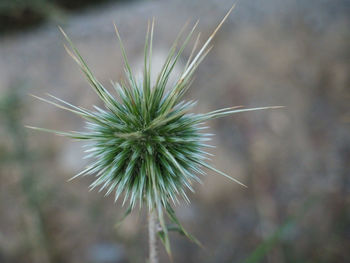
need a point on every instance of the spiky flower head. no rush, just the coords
(147, 146)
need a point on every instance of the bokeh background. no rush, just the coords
(295, 161)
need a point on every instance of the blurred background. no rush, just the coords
(295, 161)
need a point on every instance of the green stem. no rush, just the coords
(152, 231)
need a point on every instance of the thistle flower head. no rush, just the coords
(146, 146)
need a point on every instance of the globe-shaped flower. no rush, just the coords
(147, 146)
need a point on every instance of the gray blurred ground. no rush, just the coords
(295, 161)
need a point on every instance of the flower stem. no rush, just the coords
(152, 231)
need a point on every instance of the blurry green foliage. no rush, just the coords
(12, 109)
(276, 238)
(19, 14)
(16, 14)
